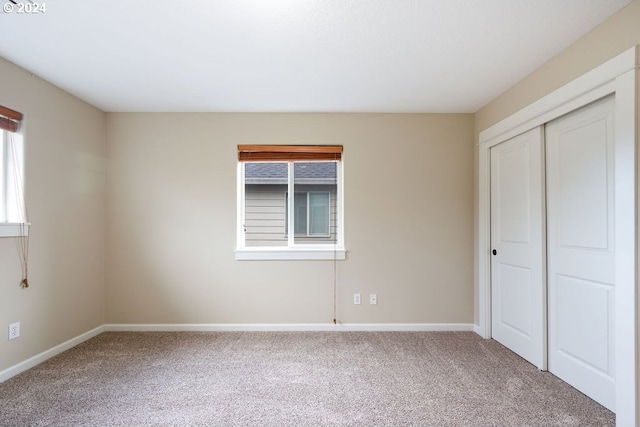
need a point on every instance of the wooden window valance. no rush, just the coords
(9, 119)
(273, 153)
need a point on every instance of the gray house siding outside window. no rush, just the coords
(315, 203)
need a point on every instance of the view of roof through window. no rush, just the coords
(304, 173)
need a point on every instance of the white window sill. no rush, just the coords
(315, 253)
(14, 229)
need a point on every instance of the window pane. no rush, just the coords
(13, 178)
(319, 214)
(315, 187)
(300, 217)
(265, 187)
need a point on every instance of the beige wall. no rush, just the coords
(171, 220)
(64, 140)
(614, 36)
(171, 217)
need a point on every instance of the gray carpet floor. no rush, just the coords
(292, 379)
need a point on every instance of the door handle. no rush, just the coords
(494, 252)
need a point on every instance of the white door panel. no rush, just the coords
(580, 221)
(514, 297)
(517, 268)
(592, 313)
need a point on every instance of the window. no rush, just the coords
(312, 213)
(12, 211)
(267, 175)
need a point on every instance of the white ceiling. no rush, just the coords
(293, 55)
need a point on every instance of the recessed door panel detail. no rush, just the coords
(515, 298)
(593, 313)
(514, 210)
(584, 186)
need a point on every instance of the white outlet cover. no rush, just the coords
(356, 298)
(14, 330)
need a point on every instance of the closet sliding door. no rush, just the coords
(517, 246)
(552, 270)
(581, 258)
(590, 128)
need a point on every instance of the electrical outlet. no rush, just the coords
(373, 299)
(356, 298)
(14, 330)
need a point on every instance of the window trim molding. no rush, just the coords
(310, 253)
(14, 229)
(335, 251)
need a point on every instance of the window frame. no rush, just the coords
(308, 251)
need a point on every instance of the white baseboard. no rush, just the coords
(279, 327)
(48, 354)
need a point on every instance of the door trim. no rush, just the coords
(616, 76)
